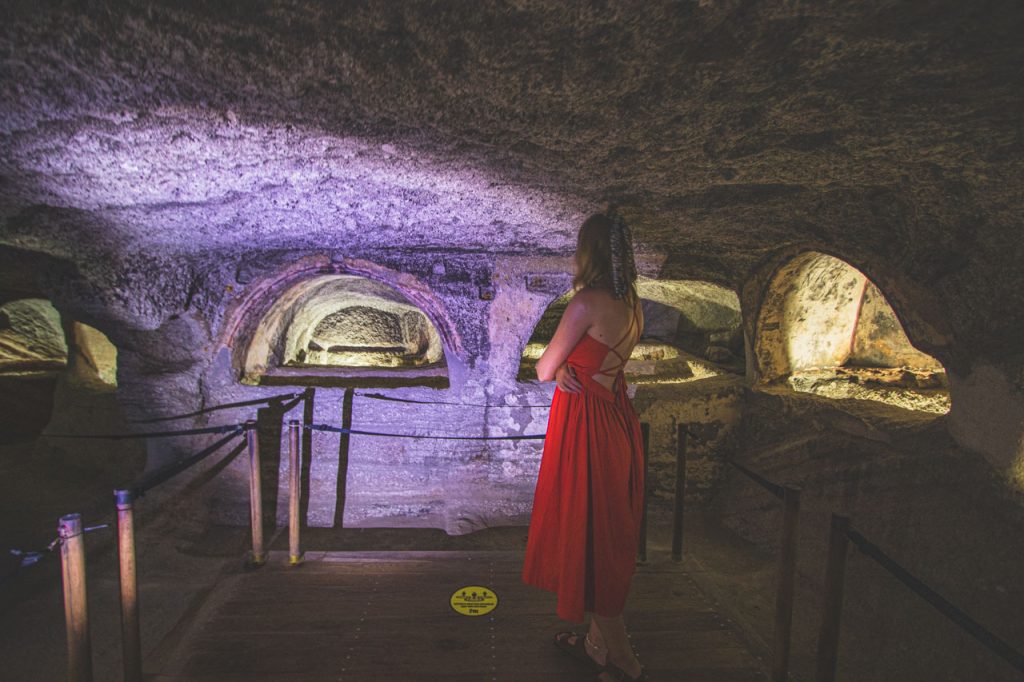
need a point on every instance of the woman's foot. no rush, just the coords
(582, 649)
(628, 671)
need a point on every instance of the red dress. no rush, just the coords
(588, 502)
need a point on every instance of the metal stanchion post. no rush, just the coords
(131, 641)
(677, 521)
(828, 636)
(294, 472)
(787, 576)
(255, 494)
(645, 430)
(76, 612)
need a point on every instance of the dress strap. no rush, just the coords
(622, 360)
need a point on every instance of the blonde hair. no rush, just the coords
(595, 258)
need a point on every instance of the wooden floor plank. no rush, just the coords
(354, 617)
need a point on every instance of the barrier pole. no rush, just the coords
(787, 582)
(131, 641)
(255, 494)
(677, 520)
(76, 612)
(645, 430)
(828, 636)
(294, 472)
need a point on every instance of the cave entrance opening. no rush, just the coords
(348, 331)
(45, 359)
(691, 332)
(825, 328)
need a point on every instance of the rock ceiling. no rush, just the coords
(884, 132)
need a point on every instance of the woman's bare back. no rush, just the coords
(617, 326)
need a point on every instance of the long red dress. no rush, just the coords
(588, 502)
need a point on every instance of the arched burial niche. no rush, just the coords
(344, 330)
(37, 349)
(691, 331)
(824, 328)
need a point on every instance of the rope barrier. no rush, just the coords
(378, 396)
(151, 434)
(31, 557)
(226, 406)
(147, 483)
(979, 632)
(288, 406)
(336, 429)
(774, 488)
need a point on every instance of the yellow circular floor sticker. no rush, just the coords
(474, 600)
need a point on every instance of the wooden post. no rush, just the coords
(76, 611)
(131, 641)
(306, 456)
(255, 494)
(677, 521)
(645, 430)
(787, 577)
(344, 445)
(294, 473)
(828, 636)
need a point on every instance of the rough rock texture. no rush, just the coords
(824, 328)
(879, 340)
(142, 143)
(170, 171)
(938, 511)
(691, 315)
(31, 337)
(161, 162)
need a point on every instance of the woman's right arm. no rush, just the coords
(574, 324)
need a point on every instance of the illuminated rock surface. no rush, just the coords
(824, 197)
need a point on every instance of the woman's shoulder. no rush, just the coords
(599, 299)
(592, 293)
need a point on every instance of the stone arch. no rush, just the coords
(43, 353)
(336, 326)
(822, 319)
(692, 330)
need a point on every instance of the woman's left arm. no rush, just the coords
(574, 324)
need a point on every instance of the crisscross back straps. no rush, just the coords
(622, 361)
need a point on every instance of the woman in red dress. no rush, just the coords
(585, 524)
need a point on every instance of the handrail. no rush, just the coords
(380, 396)
(72, 548)
(785, 592)
(828, 639)
(226, 406)
(152, 480)
(224, 428)
(337, 429)
(775, 489)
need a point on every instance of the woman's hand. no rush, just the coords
(566, 379)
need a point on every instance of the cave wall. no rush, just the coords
(932, 505)
(181, 332)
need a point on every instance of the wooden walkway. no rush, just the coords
(387, 616)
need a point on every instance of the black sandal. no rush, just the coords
(619, 675)
(577, 650)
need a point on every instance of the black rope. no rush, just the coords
(378, 396)
(287, 407)
(30, 557)
(226, 406)
(997, 645)
(151, 434)
(336, 429)
(774, 488)
(150, 481)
